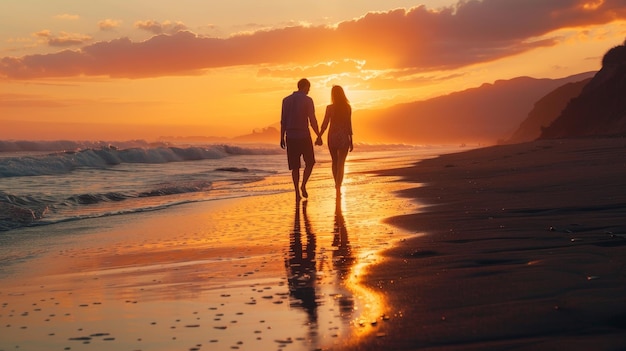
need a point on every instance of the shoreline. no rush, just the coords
(524, 249)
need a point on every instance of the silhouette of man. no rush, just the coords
(298, 112)
(301, 266)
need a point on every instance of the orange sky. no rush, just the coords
(116, 70)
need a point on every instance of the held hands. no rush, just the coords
(318, 141)
(282, 143)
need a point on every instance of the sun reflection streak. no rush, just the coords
(370, 307)
(367, 306)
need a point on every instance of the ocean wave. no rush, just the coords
(174, 189)
(19, 211)
(107, 156)
(232, 169)
(22, 217)
(160, 190)
(69, 145)
(19, 215)
(90, 199)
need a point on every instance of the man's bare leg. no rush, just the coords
(295, 176)
(308, 169)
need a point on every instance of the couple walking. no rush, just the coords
(298, 112)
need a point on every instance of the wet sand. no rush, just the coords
(252, 273)
(525, 249)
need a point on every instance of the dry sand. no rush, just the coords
(525, 250)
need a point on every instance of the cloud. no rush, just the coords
(63, 39)
(417, 39)
(67, 16)
(156, 27)
(108, 24)
(68, 39)
(29, 101)
(46, 33)
(322, 69)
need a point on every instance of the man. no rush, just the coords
(297, 113)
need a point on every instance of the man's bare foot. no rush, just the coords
(304, 193)
(298, 197)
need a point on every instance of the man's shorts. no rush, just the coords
(297, 147)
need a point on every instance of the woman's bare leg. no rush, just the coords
(339, 165)
(334, 157)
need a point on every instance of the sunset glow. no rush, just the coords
(118, 70)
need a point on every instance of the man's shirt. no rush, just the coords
(298, 110)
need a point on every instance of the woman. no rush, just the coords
(339, 116)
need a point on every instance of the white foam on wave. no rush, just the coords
(67, 161)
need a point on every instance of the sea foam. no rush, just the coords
(62, 162)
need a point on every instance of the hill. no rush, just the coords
(483, 114)
(600, 109)
(546, 110)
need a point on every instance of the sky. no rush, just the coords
(142, 69)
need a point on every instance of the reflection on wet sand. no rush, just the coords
(329, 293)
(301, 270)
(313, 283)
(343, 259)
(362, 306)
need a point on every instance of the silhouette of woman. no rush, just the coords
(339, 116)
(343, 259)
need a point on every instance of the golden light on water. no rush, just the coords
(370, 305)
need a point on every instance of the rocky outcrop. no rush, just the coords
(600, 109)
(546, 110)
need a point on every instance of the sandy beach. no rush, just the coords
(518, 247)
(525, 249)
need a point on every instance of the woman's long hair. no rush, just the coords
(337, 96)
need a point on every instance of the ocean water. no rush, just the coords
(39, 187)
(42, 183)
